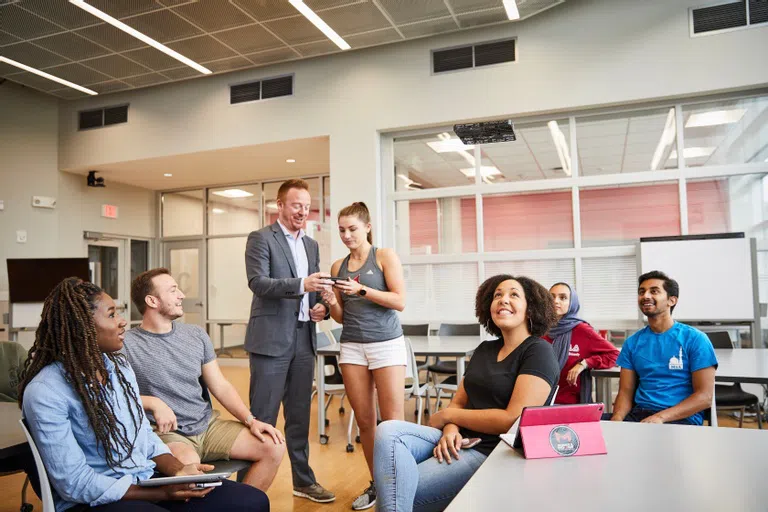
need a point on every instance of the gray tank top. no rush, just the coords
(365, 321)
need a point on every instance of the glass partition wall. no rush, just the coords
(570, 198)
(204, 233)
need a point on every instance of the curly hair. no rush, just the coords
(540, 313)
(67, 334)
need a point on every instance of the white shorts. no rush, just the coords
(375, 355)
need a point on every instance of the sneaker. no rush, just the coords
(315, 492)
(367, 499)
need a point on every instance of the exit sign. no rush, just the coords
(109, 211)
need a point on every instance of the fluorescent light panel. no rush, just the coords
(218, 211)
(233, 193)
(138, 35)
(47, 75)
(320, 24)
(667, 138)
(715, 117)
(694, 152)
(448, 146)
(563, 154)
(485, 171)
(511, 7)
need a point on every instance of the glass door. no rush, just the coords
(184, 261)
(106, 262)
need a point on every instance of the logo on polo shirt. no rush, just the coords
(676, 363)
(564, 440)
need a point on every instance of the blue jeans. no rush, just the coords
(408, 477)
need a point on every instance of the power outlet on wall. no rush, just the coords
(21, 236)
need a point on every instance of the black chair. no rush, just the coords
(448, 368)
(731, 396)
(417, 330)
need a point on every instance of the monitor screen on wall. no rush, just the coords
(31, 280)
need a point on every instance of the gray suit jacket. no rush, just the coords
(275, 285)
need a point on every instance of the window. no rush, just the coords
(627, 142)
(182, 213)
(610, 290)
(736, 203)
(433, 161)
(433, 226)
(228, 294)
(514, 222)
(234, 209)
(726, 132)
(444, 292)
(546, 272)
(622, 215)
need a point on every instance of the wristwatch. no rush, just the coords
(362, 292)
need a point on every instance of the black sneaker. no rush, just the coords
(367, 499)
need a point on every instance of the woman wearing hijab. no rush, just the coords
(577, 348)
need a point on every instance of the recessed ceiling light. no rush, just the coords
(291, 161)
(47, 75)
(233, 193)
(320, 24)
(694, 152)
(138, 35)
(715, 117)
(218, 211)
(485, 171)
(167, 175)
(448, 145)
(511, 7)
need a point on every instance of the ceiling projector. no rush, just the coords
(487, 132)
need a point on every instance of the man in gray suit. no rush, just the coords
(282, 265)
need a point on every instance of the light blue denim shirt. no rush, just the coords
(76, 465)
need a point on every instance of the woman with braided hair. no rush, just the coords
(80, 400)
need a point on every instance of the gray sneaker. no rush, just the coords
(367, 499)
(315, 492)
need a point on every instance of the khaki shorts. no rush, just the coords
(213, 444)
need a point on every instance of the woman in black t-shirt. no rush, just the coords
(517, 370)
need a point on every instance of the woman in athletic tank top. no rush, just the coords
(373, 351)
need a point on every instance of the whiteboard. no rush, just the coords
(25, 315)
(715, 276)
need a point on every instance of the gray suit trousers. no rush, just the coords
(287, 378)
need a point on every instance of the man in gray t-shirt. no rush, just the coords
(175, 367)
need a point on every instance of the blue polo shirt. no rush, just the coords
(664, 363)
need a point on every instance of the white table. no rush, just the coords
(648, 467)
(747, 366)
(459, 347)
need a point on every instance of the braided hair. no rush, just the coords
(67, 334)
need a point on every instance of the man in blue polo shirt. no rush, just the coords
(667, 368)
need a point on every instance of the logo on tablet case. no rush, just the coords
(564, 440)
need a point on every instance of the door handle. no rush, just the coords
(199, 304)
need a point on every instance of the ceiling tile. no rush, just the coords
(173, 3)
(6, 38)
(296, 30)
(69, 94)
(531, 7)
(111, 37)
(264, 10)
(249, 39)
(201, 49)
(23, 24)
(122, 8)
(109, 86)
(180, 73)
(318, 5)
(72, 46)
(153, 59)
(477, 19)
(270, 56)
(145, 80)
(228, 64)
(212, 16)
(354, 19)
(35, 81)
(78, 74)
(388, 35)
(7, 69)
(428, 28)
(464, 6)
(163, 26)
(61, 13)
(409, 12)
(31, 55)
(116, 66)
(318, 48)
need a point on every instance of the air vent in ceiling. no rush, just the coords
(728, 16)
(472, 56)
(261, 90)
(106, 116)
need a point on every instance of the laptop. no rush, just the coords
(558, 431)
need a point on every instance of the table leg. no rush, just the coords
(320, 383)
(607, 395)
(598, 387)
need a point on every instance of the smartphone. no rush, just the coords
(470, 442)
(334, 279)
(205, 485)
